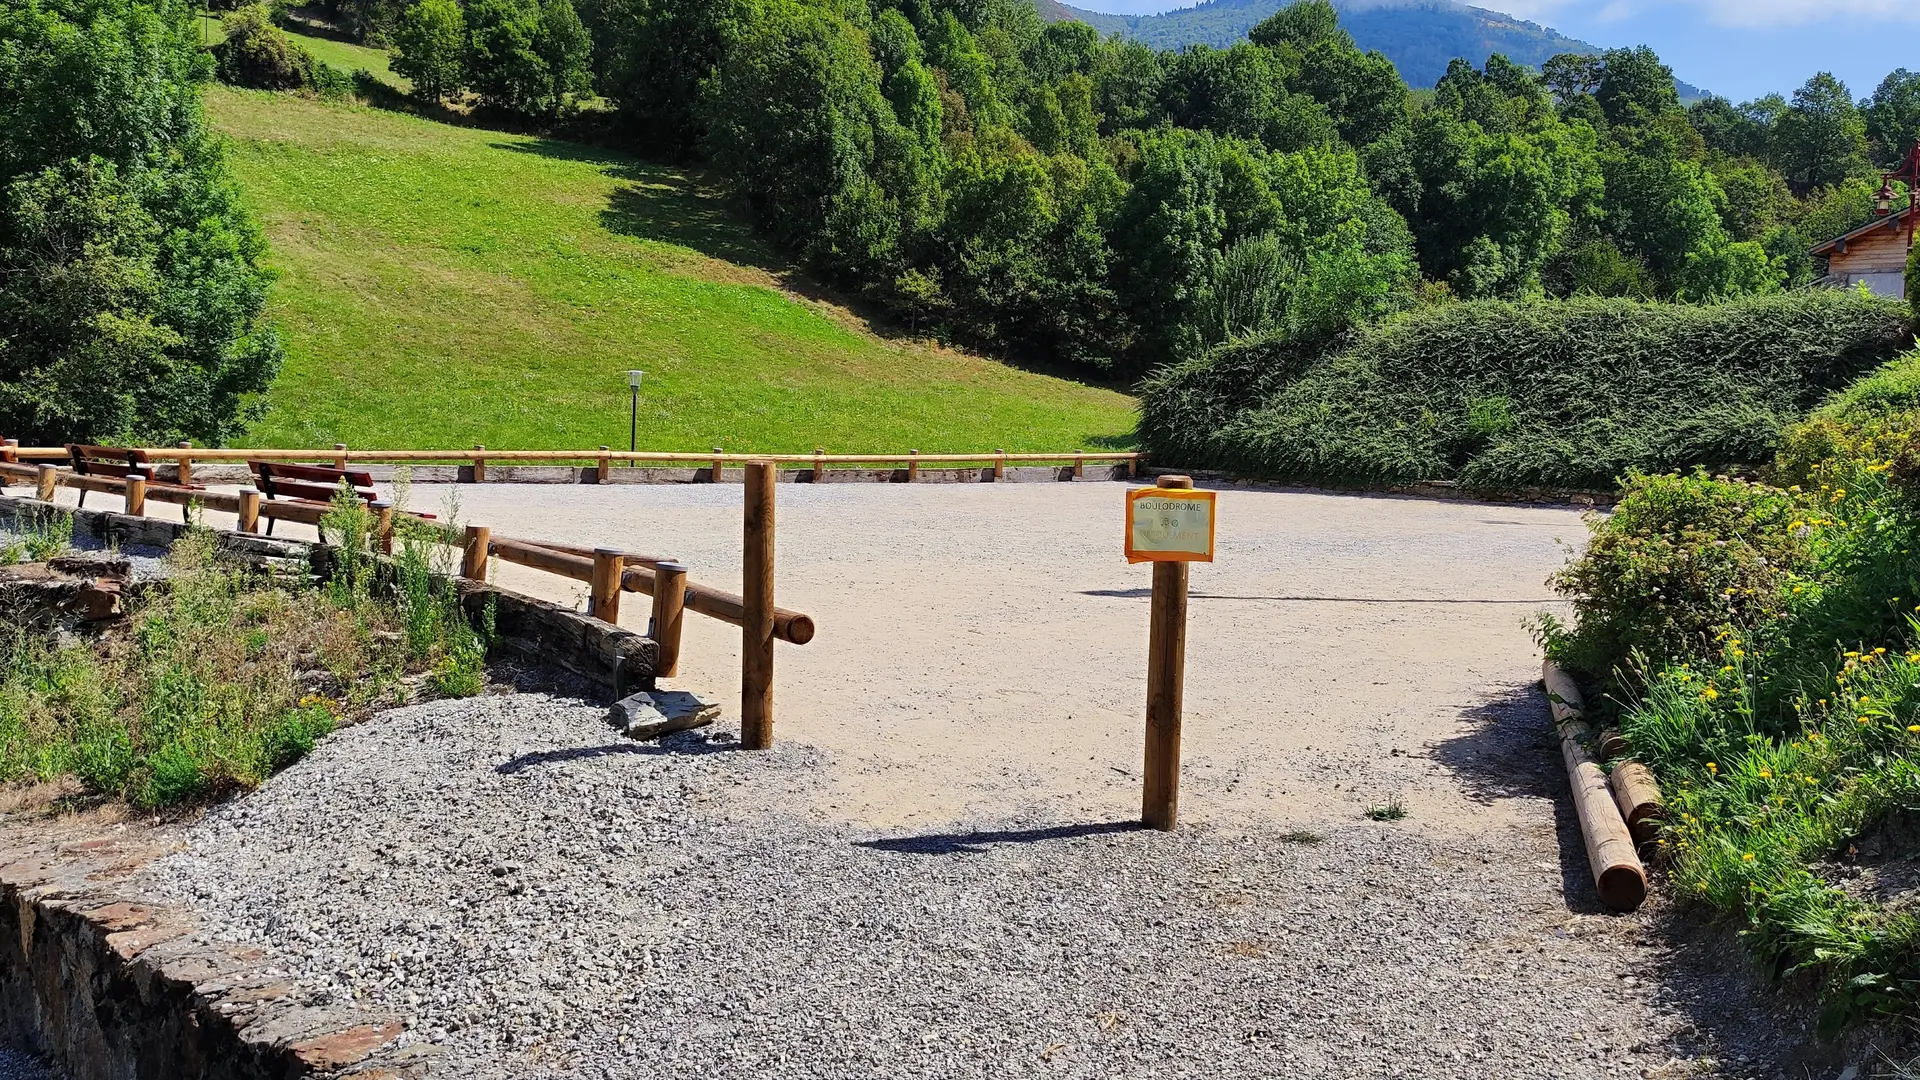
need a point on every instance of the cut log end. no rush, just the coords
(1622, 888)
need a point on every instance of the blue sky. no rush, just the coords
(1737, 48)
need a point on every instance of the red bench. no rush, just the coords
(116, 461)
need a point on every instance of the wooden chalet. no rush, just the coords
(1874, 254)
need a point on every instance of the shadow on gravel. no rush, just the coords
(676, 747)
(976, 842)
(1508, 752)
(1142, 594)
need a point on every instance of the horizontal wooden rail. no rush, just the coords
(789, 626)
(584, 457)
(648, 561)
(541, 557)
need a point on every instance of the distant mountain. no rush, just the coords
(1419, 36)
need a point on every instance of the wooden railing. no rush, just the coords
(608, 572)
(183, 457)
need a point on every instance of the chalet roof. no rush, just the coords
(1893, 220)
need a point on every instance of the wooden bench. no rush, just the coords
(309, 483)
(117, 461)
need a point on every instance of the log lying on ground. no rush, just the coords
(1617, 873)
(1637, 794)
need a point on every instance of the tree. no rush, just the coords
(1821, 139)
(666, 52)
(1302, 24)
(564, 47)
(1893, 117)
(430, 48)
(131, 288)
(526, 57)
(256, 54)
(1635, 87)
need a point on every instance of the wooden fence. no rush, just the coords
(603, 459)
(607, 572)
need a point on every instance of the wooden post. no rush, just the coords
(473, 565)
(669, 608)
(756, 644)
(608, 565)
(1080, 466)
(183, 475)
(249, 510)
(999, 465)
(605, 472)
(10, 451)
(1133, 466)
(913, 466)
(339, 455)
(46, 481)
(136, 495)
(819, 465)
(719, 473)
(1166, 683)
(479, 463)
(383, 526)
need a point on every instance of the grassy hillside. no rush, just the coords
(1419, 36)
(444, 286)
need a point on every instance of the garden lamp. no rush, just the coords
(633, 423)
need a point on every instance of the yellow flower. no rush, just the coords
(1748, 857)
(1712, 768)
(1915, 728)
(1811, 780)
(1738, 653)
(1797, 525)
(1766, 774)
(1709, 693)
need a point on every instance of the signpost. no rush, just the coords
(1170, 526)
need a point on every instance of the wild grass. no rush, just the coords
(446, 285)
(220, 678)
(49, 534)
(1391, 810)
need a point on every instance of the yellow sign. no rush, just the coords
(1169, 525)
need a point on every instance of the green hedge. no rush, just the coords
(1531, 394)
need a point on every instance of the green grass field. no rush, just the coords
(443, 286)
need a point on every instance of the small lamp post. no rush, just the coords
(633, 422)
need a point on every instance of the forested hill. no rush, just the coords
(1419, 36)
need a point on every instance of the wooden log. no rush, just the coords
(335, 456)
(1166, 688)
(605, 590)
(383, 526)
(756, 634)
(999, 465)
(339, 455)
(669, 612)
(1611, 744)
(45, 481)
(305, 513)
(1618, 875)
(1637, 795)
(913, 466)
(183, 472)
(249, 511)
(792, 627)
(10, 450)
(819, 466)
(136, 490)
(473, 563)
(479, 463)
(719, 471)
(604, 471)
(201, 497)
(587, 553)
(1080, 466)
(543, 558)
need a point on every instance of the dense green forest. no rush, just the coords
(1030, 188)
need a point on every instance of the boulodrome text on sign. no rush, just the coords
(1169, 525)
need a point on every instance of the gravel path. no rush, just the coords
(15, 1065)
(933, 874)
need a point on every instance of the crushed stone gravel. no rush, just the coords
(539, 897)
(17, 1065)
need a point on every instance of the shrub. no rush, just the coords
(259, 55)
(1592, 389)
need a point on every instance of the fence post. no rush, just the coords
(340, 455)
(479, 463)
(250, 510)
(999, 465)
(605, 473)
(1079, 465)
(136, 496)
(1166, 682)
(608, 565)
(819, 465)
(756, 645)
(1133, 465)
(473, 565)
(669, 607)
(184, 474)
(718, 472)
(46, 481)
(913, 466)
(383, 525)
(9, 453)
